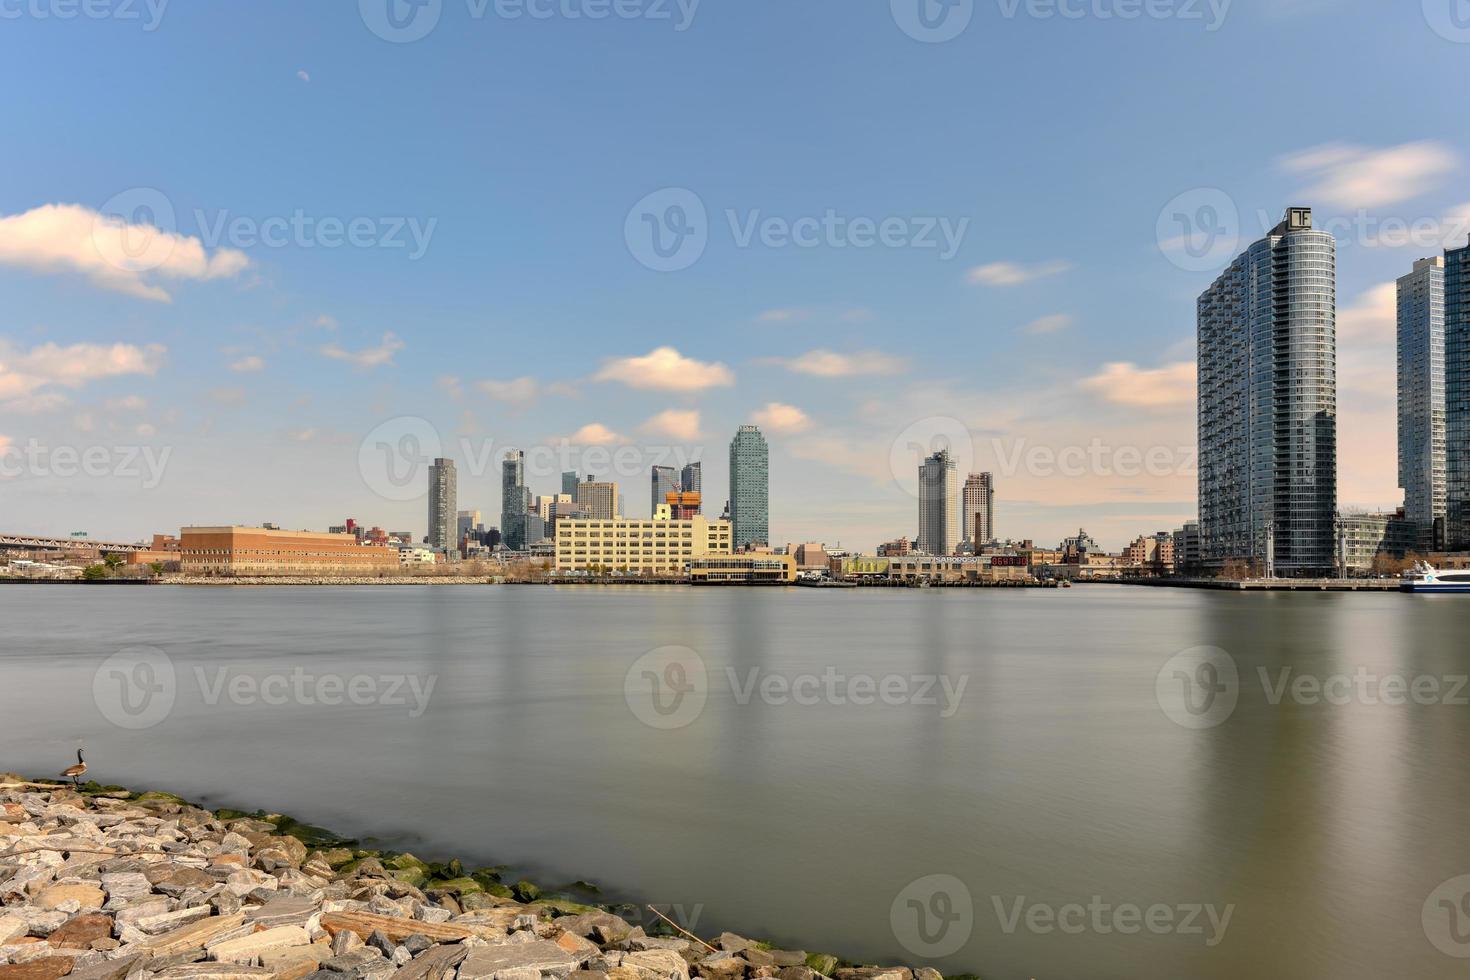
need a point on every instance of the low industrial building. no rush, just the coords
(254, 551)
(958, 568)
(757, 568)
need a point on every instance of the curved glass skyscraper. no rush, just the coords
(1268, 403)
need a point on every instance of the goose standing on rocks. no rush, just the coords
(75, 772)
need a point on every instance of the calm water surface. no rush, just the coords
(1057, 778)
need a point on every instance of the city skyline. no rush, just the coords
(241, 358)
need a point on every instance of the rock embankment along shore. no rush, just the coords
(105, 884)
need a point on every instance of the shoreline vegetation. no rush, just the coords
(103, 883)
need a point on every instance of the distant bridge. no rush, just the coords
(32, 543)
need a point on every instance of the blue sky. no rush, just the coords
(249, 373)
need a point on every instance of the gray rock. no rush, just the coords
(364, 962)
(547, 958)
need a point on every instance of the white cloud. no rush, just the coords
(1015, 273)
(28, 377)
(1167, 387)
(111, 253)
(1362, 177)
(829, 364)
(369, 357)
(128, 403)
(665, 369)
(248, 364)
(776, 417)
(781, 316)
(1049, 324)
(1372, 316)
(675, 424)
(517, 392)
(593, 434)
(304, 75)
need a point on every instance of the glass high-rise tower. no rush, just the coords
(1421, 367)
(664, 481)
(939, 504)
(750, 488)
(1457, 397)
(443, 505)
(513, 500)
(1268, 403)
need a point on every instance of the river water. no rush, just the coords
(1097, 782)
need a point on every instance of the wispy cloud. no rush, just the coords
(1015, 273)
(674, 424)
(1049, 324)
(1169, 387)
(1351, 176)
(27, 378)
(665, 369)
(779, 418)
(111, 253)
(1372, 316)
(368, 357)
(830, 364)
(248, 364)
(304, 75)
(518, 391)
(593, 434)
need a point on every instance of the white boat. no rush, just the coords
(1425, 578)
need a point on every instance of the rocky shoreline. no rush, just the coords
(100, 883)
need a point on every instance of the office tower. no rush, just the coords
(1421, 368)
(469, 522)
(665, 480)
(513, 494)
(598, 500)
(938, 504)
(1268, 404)
(691, 478)
(977, 509)
(569, 483)
(443, 504)
(750, 488)
(1457, 398)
